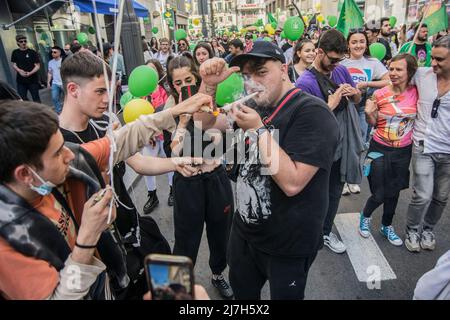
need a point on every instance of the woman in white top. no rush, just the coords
(368, 74)
(303, 57)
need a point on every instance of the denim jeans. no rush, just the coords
(431, 188)
(57, 91)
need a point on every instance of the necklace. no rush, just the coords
(79, 138)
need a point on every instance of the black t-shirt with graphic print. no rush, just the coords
(266, 217)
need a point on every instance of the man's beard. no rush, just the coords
(422, 39)
(385, 34)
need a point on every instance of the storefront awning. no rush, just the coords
(109, 7)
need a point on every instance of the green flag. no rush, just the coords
(350, 17)
(436, 22)
(271, 19)
(259, 23)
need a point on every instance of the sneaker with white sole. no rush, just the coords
(364, 226)
(390, 234)
(346, 190)
(428, 241)
(333, 242)
(354, 188)
(412, 240)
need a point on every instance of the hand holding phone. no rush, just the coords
(170, 277)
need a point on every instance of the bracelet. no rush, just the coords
(81, 246)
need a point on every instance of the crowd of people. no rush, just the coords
(338, 113)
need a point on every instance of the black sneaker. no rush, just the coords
(170, 199)
(224, 288)
(151, 203)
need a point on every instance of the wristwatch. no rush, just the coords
(263, 129)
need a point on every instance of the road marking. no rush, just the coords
(363, 253)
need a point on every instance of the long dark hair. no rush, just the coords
(367, 51)
(207, 47)
(159, 69)
(178, 63)
(299, 47)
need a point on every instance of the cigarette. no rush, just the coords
(228, 106)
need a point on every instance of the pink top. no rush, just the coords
(158, 100)
(396, 115)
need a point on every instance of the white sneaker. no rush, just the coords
(412, 241)
(346, 190)
(427, 241)
(335, 245)
(354, 188)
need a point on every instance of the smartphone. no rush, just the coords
(170, 277)
(188, 91)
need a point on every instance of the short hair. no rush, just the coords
(20, 37)
(333, 41)
(424, 25)
(7, 92)
(164, 40)
(177, 63)
(237, 44)
(383, 19)
(411, 63)
(82, 66)
(443, 42)
(207, 47)
(299, 47)
(25, 131)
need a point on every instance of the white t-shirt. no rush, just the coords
(434, 132)
(365, 69)
(54, 67)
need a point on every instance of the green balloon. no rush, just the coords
(392, 21)
(180, 34)
(267, 39)
(254, 37)
(283, 35)
(82, 38)
(377, 50)
(294, 28)
(332, 21)
(126, 97)
(91, 30)
(155, 30)
(229, 90)
(274, 25)
(143, 81)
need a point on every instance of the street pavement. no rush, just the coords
(332, 276)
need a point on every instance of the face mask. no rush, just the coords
(45, 188)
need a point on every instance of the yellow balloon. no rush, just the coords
(320, 18)
(268, 27)
(196, 21)
(135, 108)
(318, 6)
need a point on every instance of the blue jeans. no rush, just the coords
(57, 91)
(431, 188)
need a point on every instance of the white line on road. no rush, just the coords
(364, 253)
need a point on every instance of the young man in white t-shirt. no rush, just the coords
(54, 78)
(431, 151)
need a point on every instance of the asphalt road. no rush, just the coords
(332, 276)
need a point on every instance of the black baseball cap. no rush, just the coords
(261, 49)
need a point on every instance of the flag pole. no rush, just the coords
(420, 26)
(299, 13)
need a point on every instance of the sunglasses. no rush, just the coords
(357, 30)
(434, 110)
(22, 41)
(55, 51)
(334, 60)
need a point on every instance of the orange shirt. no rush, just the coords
(23, 277)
